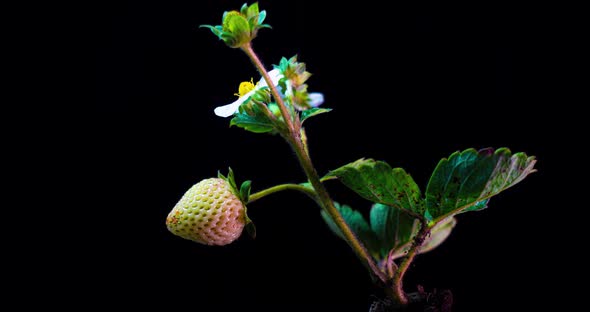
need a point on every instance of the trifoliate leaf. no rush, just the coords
(377, 182)
(466, 180)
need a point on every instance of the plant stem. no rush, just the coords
(327, 203)
(293, 137)
(282, 187)
(397, 283)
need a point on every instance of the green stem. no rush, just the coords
(397, 283)
(282, 187)
(294, 138)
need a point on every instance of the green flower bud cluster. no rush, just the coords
(294, 86)
(240, 28)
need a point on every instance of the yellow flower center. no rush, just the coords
(245, 87)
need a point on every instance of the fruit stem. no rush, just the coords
(282, 187)
(294, 137)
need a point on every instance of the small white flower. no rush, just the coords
(248, 88)
(316, 99)
(245, 91)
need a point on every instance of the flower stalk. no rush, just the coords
(282, 187)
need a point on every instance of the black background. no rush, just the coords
(408, 85)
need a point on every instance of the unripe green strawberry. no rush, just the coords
(208, 213)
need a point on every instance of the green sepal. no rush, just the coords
(313, 112)
(261, 18)
(230, 179)
(250, 228)
(245, 191)
(216, 30)
(244, 9)
(254, 116)
(252, 10)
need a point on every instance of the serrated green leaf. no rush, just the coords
(245, 191)
(358, 225)
(254, 117)
(392, 226)
(466, 180)
(313, 112)
(377, 182)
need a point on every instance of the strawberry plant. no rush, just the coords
(405, 219)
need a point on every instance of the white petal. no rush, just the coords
(316, 99)
(275, 76)
(230, 109)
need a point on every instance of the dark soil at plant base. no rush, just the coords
(420, 301)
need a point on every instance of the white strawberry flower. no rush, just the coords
(316, 99)
(248, 88)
